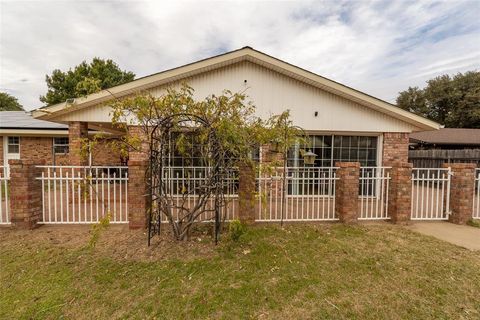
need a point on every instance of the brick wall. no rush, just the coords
(461, 191)
(25, 193)
(346, 191)
(103, 154)
(76, 132)
(395, 148)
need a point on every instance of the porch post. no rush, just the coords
(76, 132)
(25, 193)
(346, 191)
(462, 186)
(400, 193)
(246, 194)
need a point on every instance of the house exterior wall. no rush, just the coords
(273, 93)
(395, 148)
(41, 149)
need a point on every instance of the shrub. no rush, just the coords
(236, 229)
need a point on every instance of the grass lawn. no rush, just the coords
(326, 271)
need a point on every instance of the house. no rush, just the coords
(357, 139)
(432, 148)
(24, 137)
(344, 124)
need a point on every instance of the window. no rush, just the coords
(329, 149)
(13, 145)
(60, 145)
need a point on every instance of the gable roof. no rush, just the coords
(219, 61)
(448, 136)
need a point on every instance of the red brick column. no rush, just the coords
(346, 191)
(138, 200)
(246, 194)
(76, 132)
(395, 148)
(461, 191)
(141, 154)
(400, 192)
(25, 194)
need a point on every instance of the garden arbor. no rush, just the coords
(194, 149)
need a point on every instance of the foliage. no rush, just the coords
(236, 229)
(9, 103)
(218, 133)
(474, 223)
(452, 101)
(97, 228)
(84, 79)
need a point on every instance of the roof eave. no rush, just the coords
(246, 53)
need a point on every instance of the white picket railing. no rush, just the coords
(309, 196)
(374, 187)
(430, 193)
(182, 192)
(476, 195)
(84, 194)
(4, 196)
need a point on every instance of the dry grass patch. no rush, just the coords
(301, 271)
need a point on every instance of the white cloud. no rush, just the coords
(378, 47)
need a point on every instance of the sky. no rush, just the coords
(378, 47)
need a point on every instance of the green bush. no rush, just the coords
(236, 229)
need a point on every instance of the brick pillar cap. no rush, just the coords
(138, 163)
(459, 165)
(347, 164)
(401, 164)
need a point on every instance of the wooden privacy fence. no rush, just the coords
(430, 198)
(476, 196)
(436, 158)
(84, 194)
(4, 196)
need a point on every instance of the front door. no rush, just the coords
(11, 150)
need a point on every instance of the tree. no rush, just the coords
(84, 79)
(452, 101)
(212, 137)
(9, 103)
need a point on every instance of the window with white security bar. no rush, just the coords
(13, 146)
(328, 149)
(60, 145)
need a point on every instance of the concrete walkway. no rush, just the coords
(463, 236)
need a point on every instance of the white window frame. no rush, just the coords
(54, 145)
(13, 144)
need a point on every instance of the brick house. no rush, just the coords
(24, 137)
(356, 138)
(344, 124)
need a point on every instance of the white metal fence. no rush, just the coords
(182, 192)
(430, 193)
(4, 196)
(476, 196)
(83, 194)
(374, 187)
(309, 194)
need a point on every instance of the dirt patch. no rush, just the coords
(117, 242)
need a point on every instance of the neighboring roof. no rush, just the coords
(24, 120)
(448, 136)
(243, 54)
